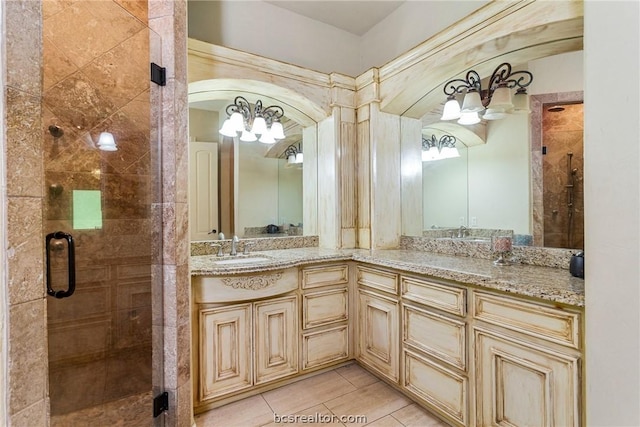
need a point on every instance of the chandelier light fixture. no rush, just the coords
(444, 148)
(495, 101)
(293, 155)
(257, 124)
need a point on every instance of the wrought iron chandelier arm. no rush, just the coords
(503, 75)
(447, 141)
(290, 151)
(521, 82)
(240, 105)
(273, 113)
(471, 81)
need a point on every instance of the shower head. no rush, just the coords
(56, 131)
(555, 109)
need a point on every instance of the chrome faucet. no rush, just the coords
(247, 245)
(462, 231)
(234, 243)
(219, 246)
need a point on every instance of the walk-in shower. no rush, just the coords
(101, 240)
(562, 175)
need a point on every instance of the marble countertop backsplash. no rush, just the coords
(532, 255)
(543, 282)
(258, 244)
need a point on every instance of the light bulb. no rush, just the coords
(227, 129)
(237, 120)
(451, 109)
(247, 136)
(259, 126)
(277, 131)
(472, 102)
(267, 138)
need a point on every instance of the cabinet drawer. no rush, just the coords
(446, 298)
(328, 346)
(314, 277)
(325, 307)
(540, 321)
(378, 279)
(442, 389)
(436, 335)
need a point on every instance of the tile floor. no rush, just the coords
(346, 391)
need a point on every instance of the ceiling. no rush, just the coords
(356, 17)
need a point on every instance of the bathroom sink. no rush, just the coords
(242, 260)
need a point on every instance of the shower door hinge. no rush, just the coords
(160, 404)
(158, 74)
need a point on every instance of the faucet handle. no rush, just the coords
(219, 246)
(247, 245)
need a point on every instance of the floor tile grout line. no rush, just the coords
(391, 414)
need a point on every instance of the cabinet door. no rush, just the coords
(378, 333)
(225, 350)
(276, 338)
(522, 384)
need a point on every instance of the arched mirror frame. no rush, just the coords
(216, 72)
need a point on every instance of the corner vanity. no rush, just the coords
(473, 343)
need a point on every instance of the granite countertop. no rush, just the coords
(551, 284)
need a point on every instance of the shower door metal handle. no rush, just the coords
(72, 264)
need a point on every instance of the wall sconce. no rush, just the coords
(265, 122)
(293, 155)
(496, 99)
(106, 142)
(433, 149)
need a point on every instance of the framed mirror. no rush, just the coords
(248, 189)
(526, 175)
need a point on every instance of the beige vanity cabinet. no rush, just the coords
(434, 347)
(251, 342)
(325, 315)
(378, 321)
(224, 350)
(248, 344)
(527, 362)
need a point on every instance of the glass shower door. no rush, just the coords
(101, 169)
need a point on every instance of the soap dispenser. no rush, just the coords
(576, 266)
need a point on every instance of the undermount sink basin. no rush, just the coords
(242, 260)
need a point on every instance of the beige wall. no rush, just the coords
(248, 26)
(612, 212)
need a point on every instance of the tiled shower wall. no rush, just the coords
(27, 336)
(563, 134)
(25, 302)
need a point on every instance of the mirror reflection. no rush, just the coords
(243, 188)
(525, 174)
